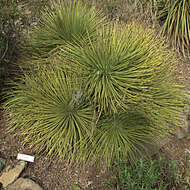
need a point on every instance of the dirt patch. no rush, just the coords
(179, 151)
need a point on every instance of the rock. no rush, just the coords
(2, 164)
(24, 184)
(10, 175)
(163, 141)
(182, 132)
(188, 124)
(155, 147)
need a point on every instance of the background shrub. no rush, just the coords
(11, 20)
(124, 10)
(175, 17)
(16, 19)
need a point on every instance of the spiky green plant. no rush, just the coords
(62, 22)
(49, 109)
(106, 100)
(126, 65)
(176, 26)
(127, 69)
(122, 135)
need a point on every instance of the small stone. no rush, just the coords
(10, 175)
(187, 126)
(154, 147)
(181, 133)
(24, 184)
(88, 184)
(2, 164)
(162, 141)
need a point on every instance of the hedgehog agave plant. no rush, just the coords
(176, 25)
(126, 65)
(127, 74)
(50, 111)
(113, 97)
(124, 135)
(63, 22)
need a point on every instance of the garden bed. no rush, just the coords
(54, 173)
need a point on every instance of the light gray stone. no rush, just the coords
(182, 132)
(160, 142)
(24, 184)
(2, 164)
(10, 175)
(154, 147)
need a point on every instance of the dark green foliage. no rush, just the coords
(160, 174)
(11, 20)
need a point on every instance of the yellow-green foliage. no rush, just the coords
(50, 110)
(126, 65)
(176, 25)
(102, 100)
(65, 22)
